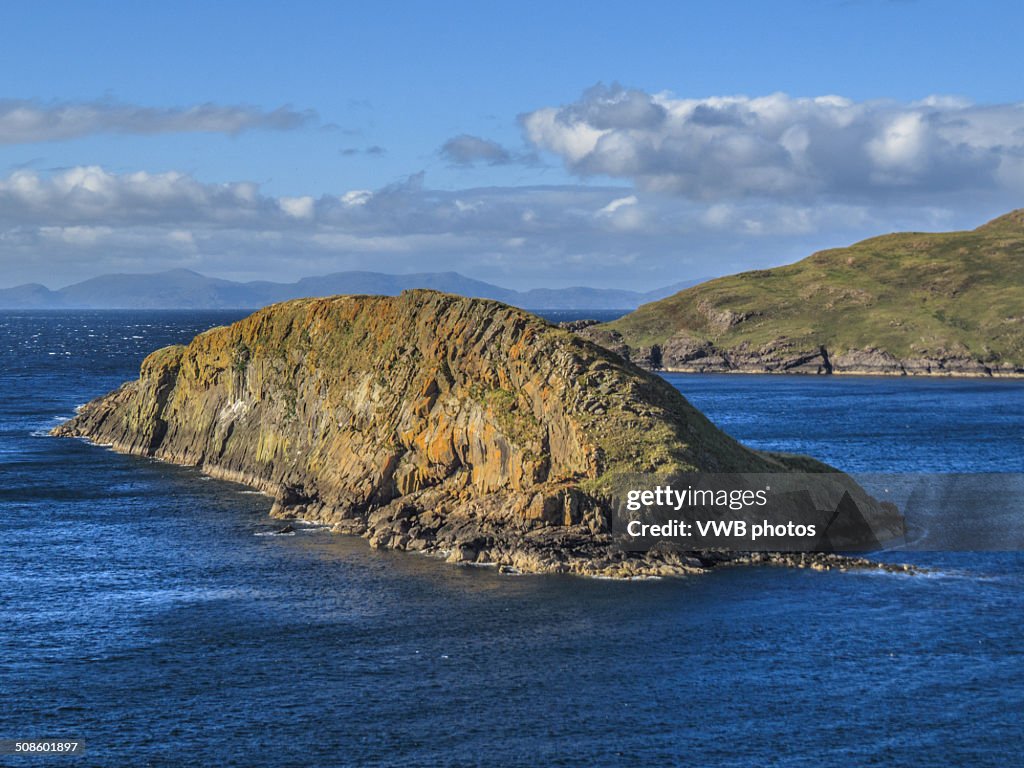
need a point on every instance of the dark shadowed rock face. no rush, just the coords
(426, 422)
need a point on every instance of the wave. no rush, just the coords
(55, 420)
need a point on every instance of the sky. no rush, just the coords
(528, 144)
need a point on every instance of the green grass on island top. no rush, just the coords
(909, 294)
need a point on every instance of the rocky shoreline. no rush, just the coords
(512, 547)
(575, 550)
(687, 354)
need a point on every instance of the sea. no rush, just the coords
(146, 612)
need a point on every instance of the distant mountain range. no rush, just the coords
(185, 289)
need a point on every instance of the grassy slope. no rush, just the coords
(910, 294)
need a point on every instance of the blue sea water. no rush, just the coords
(142, 611)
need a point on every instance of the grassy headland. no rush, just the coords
(901, 303)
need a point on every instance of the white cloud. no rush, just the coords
(24, 122)
(76, 235)
(618, 203)
(623, 213)
(463, 207)
(91, 193)
(356, 197)
(787, 148)
(901, 145)
(182, 237)
(297, 207)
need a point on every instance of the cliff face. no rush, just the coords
(424, 421)
(904, 304)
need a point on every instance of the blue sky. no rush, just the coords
(525, 143)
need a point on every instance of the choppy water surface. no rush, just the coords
(141, 612)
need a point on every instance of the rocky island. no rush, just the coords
(940, 304)
(458, 427)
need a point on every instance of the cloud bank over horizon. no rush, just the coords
(660, 189)
(83, 221)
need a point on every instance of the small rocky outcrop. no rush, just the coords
(429, 422)
(577, 325)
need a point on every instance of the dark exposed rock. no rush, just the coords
(577, 325)
(684, 353)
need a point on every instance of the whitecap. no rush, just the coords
(311, 525)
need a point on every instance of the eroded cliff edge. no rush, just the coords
(429, 422)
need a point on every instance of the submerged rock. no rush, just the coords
(458, 427)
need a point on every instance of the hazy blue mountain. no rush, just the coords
(185, 289)
(30, 296)
(177, 288)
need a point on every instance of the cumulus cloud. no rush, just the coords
(786, 148)
(93, 195)
(469, 150)
(297, 207)
(24, 121)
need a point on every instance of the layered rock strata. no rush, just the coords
(458, 427)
